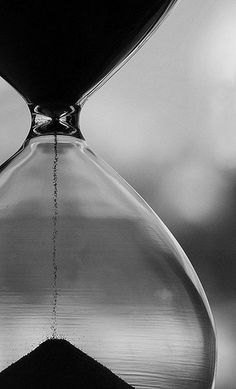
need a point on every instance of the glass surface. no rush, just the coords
(126, 293)
(82, 256)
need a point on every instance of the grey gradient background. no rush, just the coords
(167, 123)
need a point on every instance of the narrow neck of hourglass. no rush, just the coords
(60, 121)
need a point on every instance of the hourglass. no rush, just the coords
(89, 275)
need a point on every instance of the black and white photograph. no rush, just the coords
(117, 194)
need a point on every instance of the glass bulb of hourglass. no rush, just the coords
(123, 290)
(82, 257)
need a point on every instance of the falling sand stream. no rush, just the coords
(54, 238)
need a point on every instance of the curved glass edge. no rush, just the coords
(138, 46)
(174, 243)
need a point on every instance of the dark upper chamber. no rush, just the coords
(54, 52)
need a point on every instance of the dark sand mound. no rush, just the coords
(57, 364)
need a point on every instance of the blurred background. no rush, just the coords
(167, 123)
